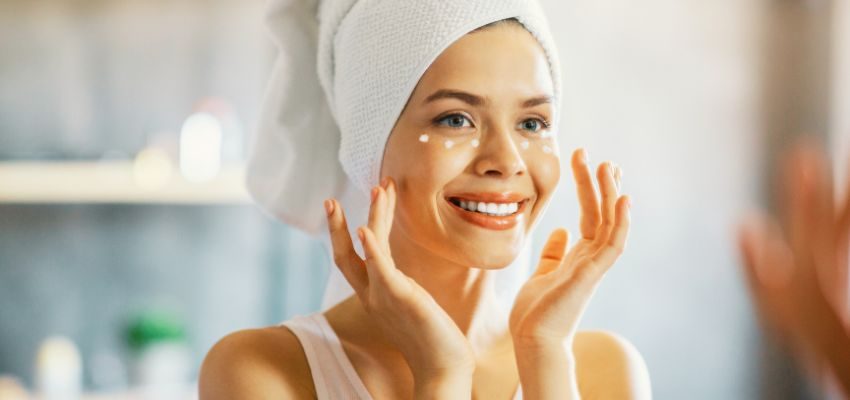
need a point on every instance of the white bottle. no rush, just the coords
(58, 370)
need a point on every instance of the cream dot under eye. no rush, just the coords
(547, 149)
(424, 138)
(524, 145)
(475, 143)
(449, 144)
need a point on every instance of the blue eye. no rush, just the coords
(455, 121)
(534, 125)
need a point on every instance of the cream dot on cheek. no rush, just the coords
(449, 144)
(524, 144)
(547, 149)
(424, 138)
(475, 143)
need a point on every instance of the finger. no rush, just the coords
(618, 177)
(828, 272)
(758, 248)
(345, 258)
(586, 194)
(605, 175)
(763, 250)
(843, 210)
(843, 224)
(377, 211)
(391, 200)
(750, 244)
(616, 243)
(553, 252)
(810, 226)
(378, 265)
(842, 244)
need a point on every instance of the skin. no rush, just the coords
(796, 266)
(424, 321)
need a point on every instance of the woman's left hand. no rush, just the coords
(549, 306)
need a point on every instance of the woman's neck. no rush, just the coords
(467, 294)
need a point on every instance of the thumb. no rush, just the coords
(553, 251)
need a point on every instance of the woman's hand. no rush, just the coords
(549, 306)
(407, 314)
(797, 269)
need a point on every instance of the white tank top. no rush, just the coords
(333, 374)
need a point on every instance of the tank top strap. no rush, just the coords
(333, 373)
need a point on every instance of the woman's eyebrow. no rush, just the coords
(465, 97)
(475, 100)
(536, 101)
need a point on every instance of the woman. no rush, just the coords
(452, 107)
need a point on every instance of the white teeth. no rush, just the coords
(497, 209)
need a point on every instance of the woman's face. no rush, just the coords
(474, 135)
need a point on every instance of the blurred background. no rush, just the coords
(128, 245)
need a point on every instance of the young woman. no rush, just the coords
(466, 169)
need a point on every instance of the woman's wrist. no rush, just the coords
(443, 384)
(547, 368)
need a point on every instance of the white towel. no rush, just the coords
(344, 72)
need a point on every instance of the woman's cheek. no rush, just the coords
(446, 158)
(545, 170)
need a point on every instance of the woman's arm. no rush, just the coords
(545, 317)
(796, 264)
(547, 371)
(437, 352)
(599, 365)
(446, 384)
(256, 364)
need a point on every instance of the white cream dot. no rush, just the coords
(547, 149)
(424, 138)
(449, 144)
(524, 145)
(475, 143)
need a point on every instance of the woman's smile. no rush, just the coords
(490, 210)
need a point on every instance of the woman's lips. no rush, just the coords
(494, 222)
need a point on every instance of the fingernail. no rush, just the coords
(384, 182)
(374, 193)
(610, 170)
(329, 207)
(583, 155)
(360, 234)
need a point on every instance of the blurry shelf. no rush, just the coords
(113, 182)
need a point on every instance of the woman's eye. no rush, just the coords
(455, 121)
(534, 125)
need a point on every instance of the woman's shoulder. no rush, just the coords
(256, 363)
(609, 366)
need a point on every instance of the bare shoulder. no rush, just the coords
(264, 363)
(610, 367)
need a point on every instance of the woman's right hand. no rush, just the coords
(429, 340)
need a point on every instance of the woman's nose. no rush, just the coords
(499, 156)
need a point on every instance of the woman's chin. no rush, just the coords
(491, 256)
